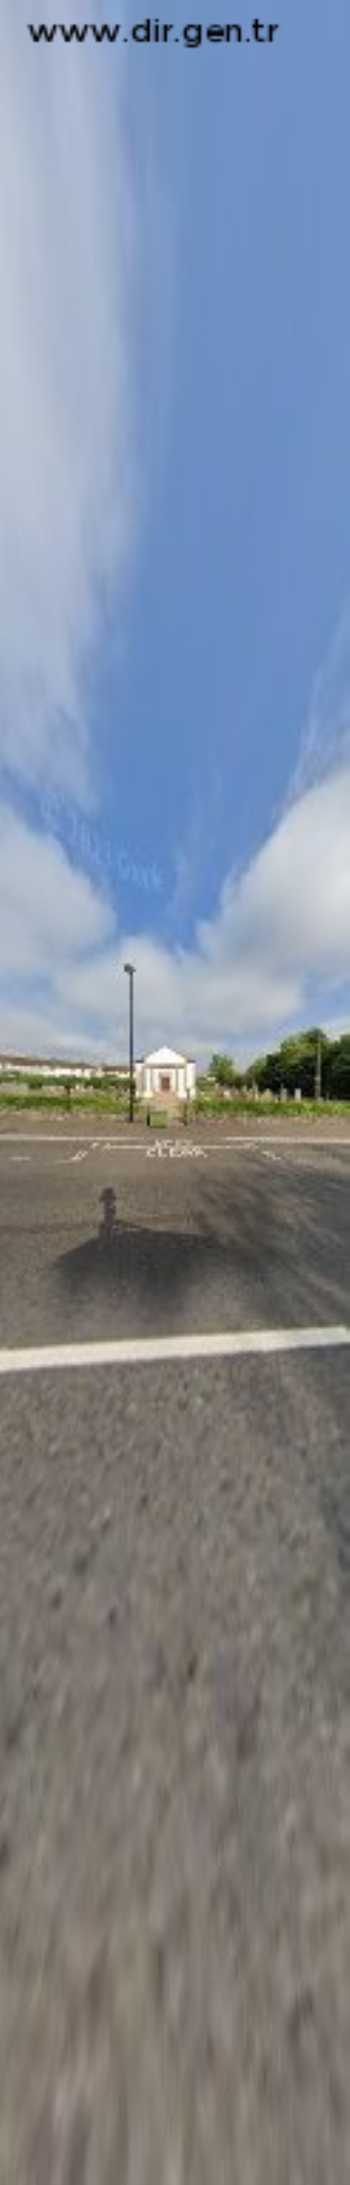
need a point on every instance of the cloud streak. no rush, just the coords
(69, 507)
(325, 745)
(68, 490)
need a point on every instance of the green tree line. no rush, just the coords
(293, 1065)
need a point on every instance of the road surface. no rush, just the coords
(175, 1666)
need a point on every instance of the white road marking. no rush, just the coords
(19, 1158)
(296, 1141)
(68, 1138)
(247, 1144)
(175, 1151)
(81, 1156)
(144, 1350)
(269, 1156)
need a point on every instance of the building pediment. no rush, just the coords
(163, 1057)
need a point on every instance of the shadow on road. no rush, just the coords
(129, 1260)
(254, 1251)
(140, 1274)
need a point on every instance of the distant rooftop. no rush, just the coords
(58, 1062)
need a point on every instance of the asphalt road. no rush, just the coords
(100, 1237)
(175, 1675)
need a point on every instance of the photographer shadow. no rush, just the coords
(130, 1269)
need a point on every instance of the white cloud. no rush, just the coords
(49, 912)
(50, 918)
(68, 492)
(281, 928)
(289, 914)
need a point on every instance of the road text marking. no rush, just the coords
(175, 1151)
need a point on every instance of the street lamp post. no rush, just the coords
(318, 1069)
(130, 969)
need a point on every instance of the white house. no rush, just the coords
(165, 1073)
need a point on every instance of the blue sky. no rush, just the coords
(175, 536)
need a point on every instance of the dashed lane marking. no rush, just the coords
(82, 1155)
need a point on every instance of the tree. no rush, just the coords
(340, 1068)
(307, 1048)
(222, 1068)
(256, 1073)
(271, 1076)
(293, 1064)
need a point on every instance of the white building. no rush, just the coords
(165, 1073)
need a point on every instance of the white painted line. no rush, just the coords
(246, 1143)
(297, 1138)
(66, 1138)
(154, 1349)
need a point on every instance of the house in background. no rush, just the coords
(165, 1075)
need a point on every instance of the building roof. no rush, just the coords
(59, 1062)
(164, 1055)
